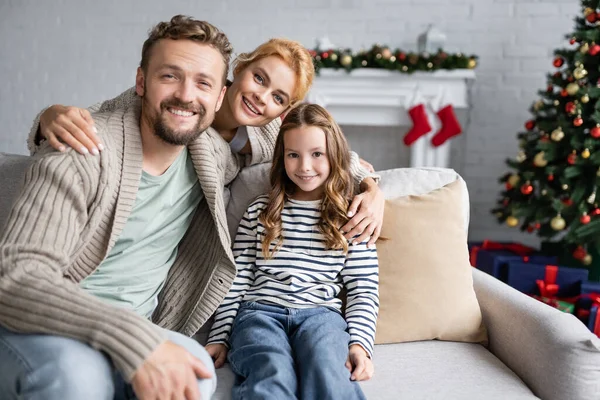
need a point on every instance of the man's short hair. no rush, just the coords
(184, 27)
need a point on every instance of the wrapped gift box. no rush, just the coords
(558, 281)
(495, 262)
(594, 321)
(565, 257)
(590, 287)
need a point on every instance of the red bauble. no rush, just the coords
(567, 202)
(595, 132)
(529, 125)
(585, 219)
(526, 189)
(595, 49)
(550, 89)
(579, 253)
(550, 177)
(505, 202)
(508, 186)
(558, 74)
(325, 55)
(564, 93)
(572, 158)
(537, 226)
(570, 107)
(591, 18)
(572, 41)
(401, 56)
(544, 139)
(578, 121)
(558, 62)
(530, 228)
(595, 212)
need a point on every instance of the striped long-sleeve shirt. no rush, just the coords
(303, 273)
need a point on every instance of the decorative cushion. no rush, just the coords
(425, 280)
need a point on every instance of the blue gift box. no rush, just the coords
(523, 276)
(593, 316)
(495, 262)
(590, 287)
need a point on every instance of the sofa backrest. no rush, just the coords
(252, 182)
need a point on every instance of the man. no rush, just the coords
(83, 239)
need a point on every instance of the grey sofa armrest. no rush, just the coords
(551, 351)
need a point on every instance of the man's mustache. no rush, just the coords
(183, 106)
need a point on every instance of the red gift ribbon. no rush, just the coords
(548, 286)
(517, 248)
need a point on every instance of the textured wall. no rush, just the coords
(82, 51)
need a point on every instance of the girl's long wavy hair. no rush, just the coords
(338, 185)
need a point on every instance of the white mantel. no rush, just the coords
(375, 97)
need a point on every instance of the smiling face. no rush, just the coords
(261, 92)
(306, 161)
(182, 89)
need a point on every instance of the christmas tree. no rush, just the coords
(552, 188)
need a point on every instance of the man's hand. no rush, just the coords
(366, 165)
(170, 372)
(218, 352)
(74, 126)
(366, 213)
(359, 364)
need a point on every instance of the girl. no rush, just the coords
(282, 319)
(267, 82)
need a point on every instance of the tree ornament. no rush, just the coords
(521, 156)
(591, 18)
(558, 223)
(587, 260)
(595, 212)
(564, 93)
(550, 177)
(333, 57)
(325, 55)
(585, 99)
(585, 153)
(557, 135)
(595, 49)
(585, 219)
(512, 221)
(572, 41)
(472, 63)
(529, 125)
(539, 160)
(587, 11)
(573, 88)
(508, 186)
(572, 158)
(592, 197)
(514, 179)
(558, 62)
(579, 253)
(527, 188)
(580, 72)
(364, 63)
(386, 53)
(570, 107)
(538, 105)
(544, 192)
(550, 89)
(584, 48)
(595, 131)
(556, 102)
(578, 121)
(346, 60)
(568, 202)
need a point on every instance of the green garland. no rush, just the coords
(383, 57)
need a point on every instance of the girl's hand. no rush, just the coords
(74, 126)
(368, 220)
(359, 364)
(218, 352)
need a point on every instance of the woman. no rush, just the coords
(267, 83)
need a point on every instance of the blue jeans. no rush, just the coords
(287, 353)
(46, 367)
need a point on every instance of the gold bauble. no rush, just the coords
(588, 11)
(587, 260)
(386, 53)
(585, 153)
(537, 105)
(539, 160)
(472, 63)
(580, 73)
(512, 221)
(565, 186)
(557, 135)
(514, 179)
(521, 156)
(333, 56)
(572, 88)
(585, 98)
(556, 102)
(558, 223)
(592, 197)
(346, 60)
(584, 49)
(544, 192)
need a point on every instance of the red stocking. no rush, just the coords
(420, 124)
(450, 126)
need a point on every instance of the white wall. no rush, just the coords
(81, 51)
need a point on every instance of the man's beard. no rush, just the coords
(175, 137)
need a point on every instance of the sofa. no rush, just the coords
(534, 351)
